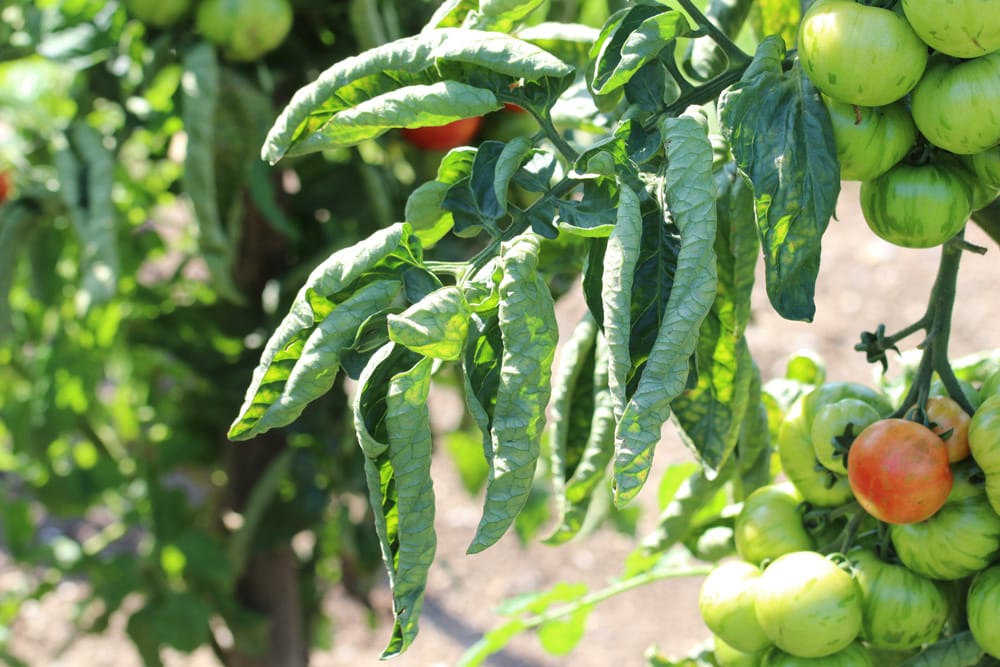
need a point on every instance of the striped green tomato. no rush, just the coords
(727, 604)
(808, 606)
(860, 54)
(869, 140)
(956, 105)
(961, 539)
(917, 206)
(770, 524)
(985, 165)
(901, 609)
(983, 609)
(960, 28)
(984, 443)
(855, 655)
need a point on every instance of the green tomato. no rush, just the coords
(981, 193)
(808, 606)
(870, 140)
(245, 29)
(958, 541)
(985, 165)
(983, 610)
(858, 54)
(960, 28)
(727, 656)
(832, 422)
(990, 386)
(727, 602)
(956, 105)
(917, 206)
(158, 13)
(770, 524)
(901, 609)
(818, 484)
(855, 655)
(984, 443)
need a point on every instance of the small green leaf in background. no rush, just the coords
(530, 333)
(777, 17)
(782, 140)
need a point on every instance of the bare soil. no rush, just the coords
(863, 282)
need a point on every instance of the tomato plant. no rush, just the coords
(840, 40)
(917, 206)
(808, 606)
(898, 470)
(953, 104)
(983, 609)
(444, 137)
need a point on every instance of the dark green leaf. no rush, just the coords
(705, 58)
(959, 650)
(779, 132)
(638, 35)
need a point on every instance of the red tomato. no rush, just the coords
(898, 471)
(947, 418)
(443, 137)
(514, 108)
(6, 186)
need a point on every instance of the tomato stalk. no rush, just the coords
(738, 58)
(936, 322)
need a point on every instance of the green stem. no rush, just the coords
(617, 588)
(738, 58)
(564, 147)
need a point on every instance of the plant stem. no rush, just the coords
(738, 59)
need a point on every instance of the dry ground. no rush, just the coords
(863, 282)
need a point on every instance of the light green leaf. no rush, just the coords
(570, 42)
(386, 81)
(436, 326)
(530, 333)
(644, 32)
(301, 359)
(688, 197)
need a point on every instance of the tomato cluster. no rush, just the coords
(914, 101)
(909, 547)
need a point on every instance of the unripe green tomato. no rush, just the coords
(158, 13)
(770, 524)
(860, 54)
(916, 206)
(808, 606)
(984, 443)
(985, 165)
(870, 140)
(981, 193)
(960, 28)
(727, 604)
(990, 387)
(902, 610)
(727, 656)
(983, 610)
(245, 29)
(855, 655)
(831, 421)
(956, 105)
(959, 540)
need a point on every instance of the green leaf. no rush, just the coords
(753, 450)
(425, 207)
(301, 359)
(777, 17)
(711, 413)
(639, 36)
(529, 331)
(438, 76)
(399, 483)
(777, 127)
(436, 326)
(705, 58)
(677, 519)
(570, 42)
(200, 95)
(560, 636)
(688, 197)
(18, 223)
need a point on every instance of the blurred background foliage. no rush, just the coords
(146, 252)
